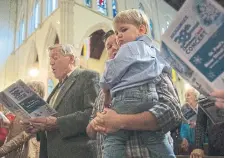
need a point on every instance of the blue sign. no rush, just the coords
(209, 59)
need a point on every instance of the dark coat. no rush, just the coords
(74, 106)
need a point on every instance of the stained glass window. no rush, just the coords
(48, 6)
(114, 7)
(31, 25)
(102, 6)
(21, 32)
(20, 35)
(54, 4)
(37, 14)
(35, 18)
(51, 5)
(87, 3)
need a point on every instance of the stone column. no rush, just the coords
(66, 21)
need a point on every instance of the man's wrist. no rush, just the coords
(56, 123)
(53, 122)
(120, 121)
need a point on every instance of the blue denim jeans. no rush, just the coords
(131, 101)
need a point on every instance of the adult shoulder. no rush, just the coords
(89, 73)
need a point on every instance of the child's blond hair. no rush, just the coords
(132, 16)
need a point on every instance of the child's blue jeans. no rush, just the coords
(131, 101)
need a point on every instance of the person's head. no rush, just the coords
(191, 96)
(129, 25)
(62, 60)
(38, 87)
(110, 43)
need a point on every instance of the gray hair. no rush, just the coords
(194, 91)
(66, 49)
(38, 87)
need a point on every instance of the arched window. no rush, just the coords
(102, 6)
(35, 18)
(95, 45)
(54, 4)
(51, 5)
(114, 7)
(88, 3)
(37, 14)
(21, 32)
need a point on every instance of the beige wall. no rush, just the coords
(18, 64)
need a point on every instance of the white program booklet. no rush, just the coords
(194, 44)
(24, 102)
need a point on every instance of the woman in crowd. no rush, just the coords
(5, 119)
(20, 144)
(187, 131)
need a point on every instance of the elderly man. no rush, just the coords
(162, 118)
(73, 98)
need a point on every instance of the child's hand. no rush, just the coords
(97, 121)
(98, 127)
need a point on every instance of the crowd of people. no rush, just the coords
(132, 111)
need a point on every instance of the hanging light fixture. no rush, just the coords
(33, 72)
